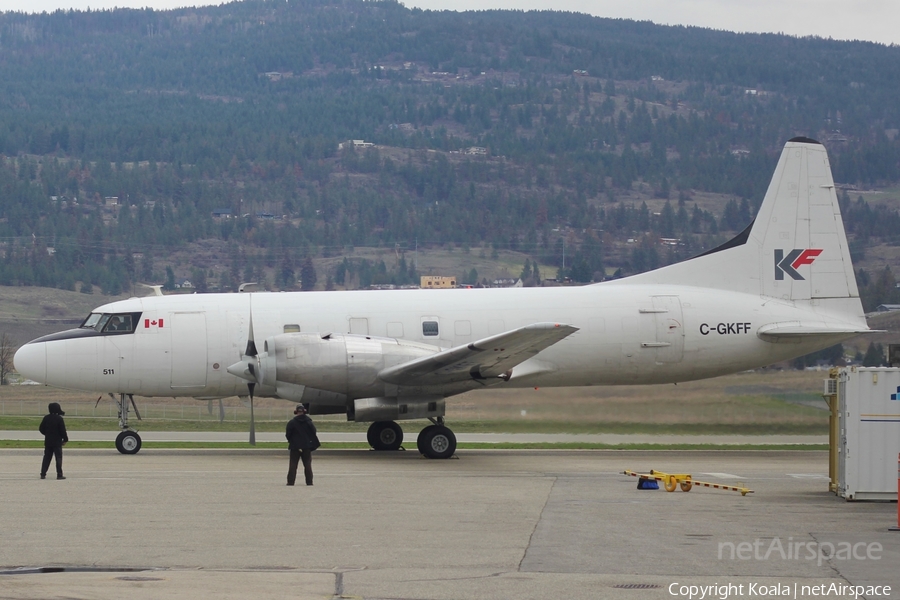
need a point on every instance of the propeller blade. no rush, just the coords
(246, 370)
(250, 387)
(221, 411)
(251, 344)
(246, 367)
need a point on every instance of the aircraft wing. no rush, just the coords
(490, 357)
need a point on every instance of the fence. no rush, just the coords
(106, 408)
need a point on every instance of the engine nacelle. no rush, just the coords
(345, 364)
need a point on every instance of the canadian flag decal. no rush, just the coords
(149, 323)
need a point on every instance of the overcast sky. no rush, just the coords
(874, 20)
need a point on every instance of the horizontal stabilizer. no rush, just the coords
(798, 329)
(487, 358)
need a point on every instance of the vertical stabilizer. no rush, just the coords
(795, 250)
(799, 228)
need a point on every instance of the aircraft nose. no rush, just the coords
(31, 361)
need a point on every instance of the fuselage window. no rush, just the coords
(430, 328)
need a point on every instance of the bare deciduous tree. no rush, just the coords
(7, 351)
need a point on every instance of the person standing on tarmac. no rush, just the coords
(55, 437)
(302, 440)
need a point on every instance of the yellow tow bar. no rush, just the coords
(671, 481)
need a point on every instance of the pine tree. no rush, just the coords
(307, 275)
(874, 356)
(170, 279)
(285, 278)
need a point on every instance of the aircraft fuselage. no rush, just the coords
(182, 345)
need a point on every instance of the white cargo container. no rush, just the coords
(868, 432)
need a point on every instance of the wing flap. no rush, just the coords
(489, 357)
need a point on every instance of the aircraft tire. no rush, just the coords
(385, 435)
(437, 441)
(128, 442)
(420, 441)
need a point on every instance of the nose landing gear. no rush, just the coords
(128, 441)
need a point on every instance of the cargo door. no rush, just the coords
(188, 350)
(669, 329)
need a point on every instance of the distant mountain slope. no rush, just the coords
(127, 134)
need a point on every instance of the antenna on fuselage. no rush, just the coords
(157, 289)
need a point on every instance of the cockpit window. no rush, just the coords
(119, 324)
(92, 320)
(107, 323)
(102, 322)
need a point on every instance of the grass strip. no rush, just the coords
(18, 423)
(25, 444)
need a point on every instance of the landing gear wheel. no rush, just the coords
(385, 435)
(437, 441)
(128, 442)
(420, 441)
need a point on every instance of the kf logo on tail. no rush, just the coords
(795, 258)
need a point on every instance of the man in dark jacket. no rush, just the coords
(302, 440)
(54, 429)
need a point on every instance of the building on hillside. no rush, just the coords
(355, 144)
(507, 282)
(437, 282)
(278, 75)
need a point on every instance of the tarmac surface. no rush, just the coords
(517, 524)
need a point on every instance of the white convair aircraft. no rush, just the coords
(782, 288)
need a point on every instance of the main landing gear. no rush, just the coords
(127, 442)
(385, 435)
(435, 441)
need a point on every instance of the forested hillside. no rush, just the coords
(224, 134)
